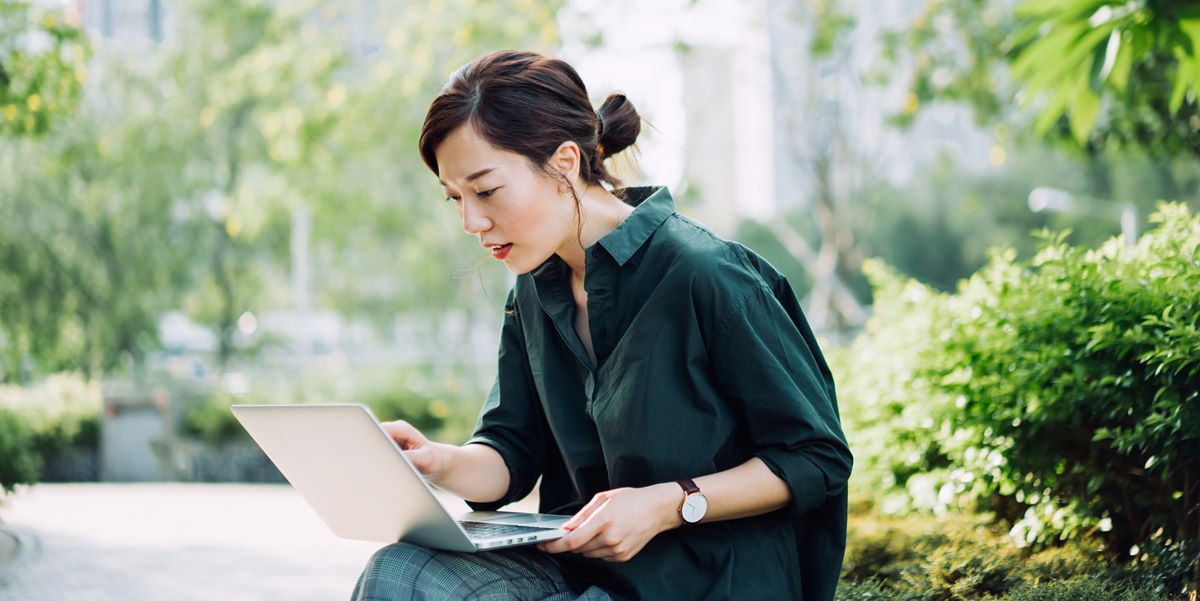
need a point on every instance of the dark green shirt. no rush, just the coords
(704, 360)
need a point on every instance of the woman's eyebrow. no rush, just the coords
(473, 176)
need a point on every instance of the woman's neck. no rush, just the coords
(601, 213)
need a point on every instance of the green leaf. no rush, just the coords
(1180, 87)
(1058, 62)
(1191, 28)
(1053, 110)
(1060, 8)
(1054, 44)
(1187, 73)
(1119, 77)
(1103, 60)
(1083, 114)
(1021, 37)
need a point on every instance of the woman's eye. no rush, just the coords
(483, 194)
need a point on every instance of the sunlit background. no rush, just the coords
(210, 202)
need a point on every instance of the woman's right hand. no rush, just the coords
(430, 458)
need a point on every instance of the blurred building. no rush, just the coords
(132, 22)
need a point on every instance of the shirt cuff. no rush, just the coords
(804, 479)
(517, 488)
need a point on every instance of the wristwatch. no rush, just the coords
(695, 504)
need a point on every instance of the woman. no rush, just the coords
(661, 381)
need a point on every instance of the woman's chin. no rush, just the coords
(519, 268)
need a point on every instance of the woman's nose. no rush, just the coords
(474, 221)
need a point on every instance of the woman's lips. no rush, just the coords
(500, 252)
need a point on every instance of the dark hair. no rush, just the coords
(530, 104)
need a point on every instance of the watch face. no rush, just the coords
(694, 508)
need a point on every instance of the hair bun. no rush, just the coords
(620, 124)
(523, 102)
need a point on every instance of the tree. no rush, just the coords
(818, 145)
(383, 240)
(89, 242)
(1098, 73)
(246, 112)
(176, 182)
(42, 67)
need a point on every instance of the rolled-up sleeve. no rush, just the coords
(768, 365)
(510, 420)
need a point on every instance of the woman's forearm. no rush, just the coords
(746, 490)
(743, 491)
(475, 472)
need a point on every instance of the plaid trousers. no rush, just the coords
(408, 572)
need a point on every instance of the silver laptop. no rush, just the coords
(363, 487)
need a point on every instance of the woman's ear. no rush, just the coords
(566, 160)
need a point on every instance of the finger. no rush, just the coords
(585, 532)
(419, 458)
(572, 540)
(403, 433)
(583, 513)
(560, 545)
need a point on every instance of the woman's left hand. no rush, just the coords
(617, 523)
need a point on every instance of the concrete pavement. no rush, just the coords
(183, 542)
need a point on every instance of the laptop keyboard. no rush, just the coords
(488, 529)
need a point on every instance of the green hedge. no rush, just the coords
(439, 407)
(212, 421)
(1060, 393)
(19, 462)
(964, 556)
(39, 422)
(1078, 588)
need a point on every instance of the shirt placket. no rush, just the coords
(598, 283)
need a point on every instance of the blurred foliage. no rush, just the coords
(19, 463)
(442, 402)
(39, 422)
(177, 180)
(1087, 588)
(91, 249)
(426, 414)
(1061, 393)
(830, 20)
(210, 419)
(247, 112)
(1102, 73)
(939, 226)
(42, 67)
(1075, 588)
(962, 556)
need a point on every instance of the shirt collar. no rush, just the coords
(652, 205)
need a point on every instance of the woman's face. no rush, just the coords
(517, 213)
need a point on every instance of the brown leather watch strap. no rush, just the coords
(688, 486)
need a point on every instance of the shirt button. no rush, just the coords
(596, 252)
